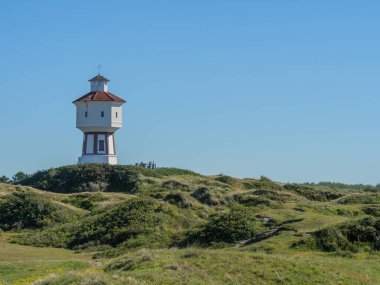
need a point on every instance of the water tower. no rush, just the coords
(99, 116)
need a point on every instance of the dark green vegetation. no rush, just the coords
(239, 223)
(352, 236)
(173, 226)
(26, 210)
(80, 178)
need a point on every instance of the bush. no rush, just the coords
(365, 198)
(179, 198)
(176, 185)
(128, 220)
(361, 235)
(171, 172)
(25, 210)
(85, 201)
(372, 210)
(248, 199)
(125, 263)
(263, 184)
(225, 179)
(239, 223)
(86, 177)
(311, 193)
(208, 197)
(265, 179)
(130, 224)
(96, 177)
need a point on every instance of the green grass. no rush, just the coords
(229, 266)
(132, 223)
(250, 265)
(24, 264)
(28, 272)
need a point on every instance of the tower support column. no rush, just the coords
(98, 147)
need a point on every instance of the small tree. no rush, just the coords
(19, 176)
(4, 179)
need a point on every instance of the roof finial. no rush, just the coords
(99, 68)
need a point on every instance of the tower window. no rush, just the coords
(86, 114)
(116, 114)
(102, 114)
(101, 145)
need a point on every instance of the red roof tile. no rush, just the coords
(99, 96)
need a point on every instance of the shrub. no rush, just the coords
(372, 210)
(208, 197)
(179, 198)
(171, 172)
(126, 263)
(263, 184)
(86, 177)
(96, 177)
(265, 179)
(225, 179)
(239, 223)
(248, 199)
(85, 201)
(128, 220)
(132, 223)
(354, 236)
(364, 198)
(311, 193)
(25, 210)
(332, 239)
(123, 264)
(175, 184)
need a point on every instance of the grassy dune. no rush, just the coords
(173, 226)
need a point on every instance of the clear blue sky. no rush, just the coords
(286, 89)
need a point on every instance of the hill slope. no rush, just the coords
(172, 226)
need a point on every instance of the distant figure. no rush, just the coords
(149, 165)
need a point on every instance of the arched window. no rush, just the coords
(102, 114)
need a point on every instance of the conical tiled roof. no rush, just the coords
(99, 96)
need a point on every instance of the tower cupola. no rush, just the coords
(99, 83)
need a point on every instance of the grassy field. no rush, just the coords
(156, 212)
(25, 265)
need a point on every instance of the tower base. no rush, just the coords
(98, 158)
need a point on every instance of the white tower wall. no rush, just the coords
(90, 119)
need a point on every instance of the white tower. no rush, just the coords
(99, 116)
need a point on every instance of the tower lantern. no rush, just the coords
(99, 83)
(99, 116)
